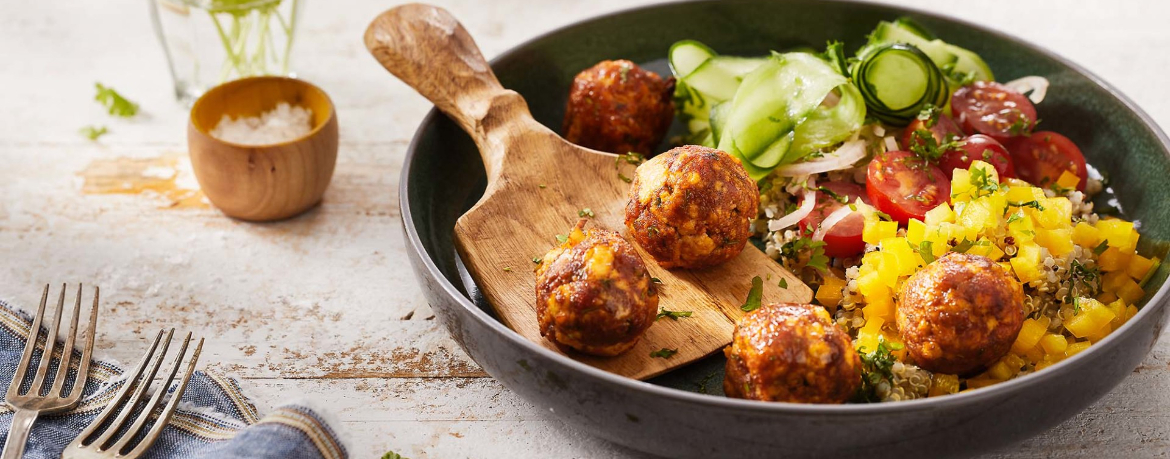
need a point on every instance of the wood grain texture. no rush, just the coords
(323, 307)
(537, 183)
(263, 182)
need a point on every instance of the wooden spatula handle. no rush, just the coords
(429, 50)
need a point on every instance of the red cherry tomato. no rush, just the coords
(844, 239)
(905, 186)
(987, 107)
(982, 148)
(1043, 156)
(943, 129)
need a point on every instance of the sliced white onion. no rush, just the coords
(1034, 86)
(830, 221)
(846, 155)
(878, 130)
(891, 144)
(806, 207)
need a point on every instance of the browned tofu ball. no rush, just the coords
(593, 293)
(692, 207)
(618, 107)
(960, 313)
(791, 353)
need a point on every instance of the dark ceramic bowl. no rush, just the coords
(683, 414)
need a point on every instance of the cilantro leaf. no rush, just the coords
(876, 366)
(925, 250)
(562, 238)
(664, 353)
(1015, 217)
(92, 132)
(673, 315)
(1033, 204)
(755, 295)
(783, 283)
(115, 104)
(1101, 248)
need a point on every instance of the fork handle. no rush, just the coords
(22, 422)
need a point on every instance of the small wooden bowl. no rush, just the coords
(265, 182)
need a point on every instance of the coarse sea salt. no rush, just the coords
(281, 124)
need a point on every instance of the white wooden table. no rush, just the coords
(324, 307)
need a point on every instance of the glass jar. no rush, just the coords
(208, 42)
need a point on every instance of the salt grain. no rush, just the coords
(281, 124)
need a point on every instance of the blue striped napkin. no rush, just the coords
(214, 419)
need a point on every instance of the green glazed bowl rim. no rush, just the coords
(1064, 368)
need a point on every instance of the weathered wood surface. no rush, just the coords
(307, 307)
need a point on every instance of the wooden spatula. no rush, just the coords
(537, 183)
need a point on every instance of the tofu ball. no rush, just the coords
(593, 293)
(791, 353)
(960, 313)
(692, 207)
(618, 107)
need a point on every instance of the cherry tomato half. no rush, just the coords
(1043, 156)
(982, 148)
(844, 239)
(943, 129)
(905, 186)
(987, 107)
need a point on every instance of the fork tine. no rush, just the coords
(154, 400)
(67, 351)
(50, 343)
(87, 351)
(29, 346)
(104, 440)
(97, 422)
(169, 410)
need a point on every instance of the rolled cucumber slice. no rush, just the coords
(686, 56)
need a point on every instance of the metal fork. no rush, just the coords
(32, 403)
(98, 442)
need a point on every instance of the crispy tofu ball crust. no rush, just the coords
(593, 293)
(791, 353)
(618, 107)
(692, 207)
(960, 313)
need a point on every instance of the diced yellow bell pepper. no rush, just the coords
(1119, 233)
(829, 294)
(1022, 229)
(943, 384)
(876, 230)
(1068, 180)
(1092, 318)
(1035, 354)
(1130, 311)
(1057, 213)
(1057, 241)
(940, 214)
(915, 231)
(1111, 282)
(1026, 263)
(1130, 291)
(881, 308)
(1113, 259)
(1085, 235)
(961, 189)
(1053, 343)
(1107, 297)
(1030, 333)
(902, 258)
(867, 335)
(976, 216)
(1118, 309)
(1138, 266)
(1000, 370)
(1076, 348)
(1022, 194)
(870, 285)
(981, 382)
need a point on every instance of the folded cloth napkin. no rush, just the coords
(214, 420)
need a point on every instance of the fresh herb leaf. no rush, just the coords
(925, 250)
(1021, 126)
(1015, 217)
(542, 186)
(664, 353)
(393, 455)
(536, 260)
(1033, 204)
(562, 238)
(839, 198)
(629, 158)
(508, 269)
(928, 148)
(656, 280)
(793, 250)
(1082, 281)
(624, 178)
(92, 132)
(1101, 248)
(883, 216)
(586, 212)
(755, 295)
(929, 115)
(783, 283)
(876, 366)
(115, 104)
(983, 182)
(673, 315)
(964, 246)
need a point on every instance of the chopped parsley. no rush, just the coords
(1022, 125)
(624, 178)
(783, 283)
(672, 315)
(964, 246)
(656, 280)
(586, 212)
(1016, 217)
(393, 455)
(664, 353)
(562, 238)
(629, 158)
(536, 260)
(982, 182)
(92, 132)
(792, 250)
(925, 250)
(115, 104)
(1101, 248)
(1082, 281)
(755, 295)
(929, 115)
(876, 366)
(839, 198)
(927, 147)
(507, 269)
(1033, 204)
